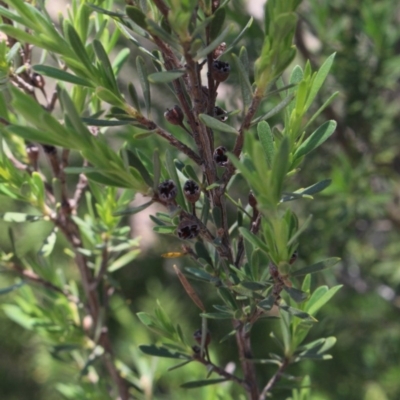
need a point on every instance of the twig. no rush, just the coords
(162, 7)
(274, 379)
(220, 371)
(103, 268)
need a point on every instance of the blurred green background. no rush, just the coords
(357, 218)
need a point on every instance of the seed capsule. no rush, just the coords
(252, 200)
(167, 191)
(49, 149)
(220, 113)
(197, 337)
(32, 152)
(188, 229)
(191, 190)
(220, 70)
(37, 80)
(294, 257)
(174, 115)
(220, 156)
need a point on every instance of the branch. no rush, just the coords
(275, 378)
(162, 7)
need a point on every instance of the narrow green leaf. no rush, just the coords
(322, 108)
(205, 382)
(267, 141)
(179, 365)
(136, 162)
(153, 350)
(109, 97)
(300, 231)
(280, 167)
(200, 274)
(133, 210)
(137, 16)
(215, 43)
(318, 301)
(217, 315)
(238, 37)
(123, 260)
(297, 313)
(164, 230)
(319, 266)
(48, 244)
(319, 79)
(20, 217)
(254, 286)
(316, 188)
(217, 22)
(228, 298)
(79, 48)
(104, 122)
(144, 82)
(297, 295)
(105, 65)
(105, 12)
(244, 81)
(61, 75)
(214, 123)
(267, 303)
(255, 240)
(165, 76)
(318, 137)
(278, 108)
(171, 168)
(11, 288)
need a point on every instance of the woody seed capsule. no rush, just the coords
(37, 80)
(174, 115)
(220, 156)
(197, 337)
(220, 70)
(220, 113)
(191, 190)
(167, 191)
(188, 229)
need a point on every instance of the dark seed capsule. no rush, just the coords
(37, 80)
(294, 257)
(220, 113)
(188, 229)
(174, 115)
(220, 156)
(191, 190)
(196, 349)
(167, 191)
(252, 200)
(197, 337)
(220, 70)
(32, 152)
(49, 149)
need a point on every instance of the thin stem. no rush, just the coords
(274, 379)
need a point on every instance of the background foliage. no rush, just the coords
(357, 218)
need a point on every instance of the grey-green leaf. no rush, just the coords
(318, 137)
(205, 382)
(165, 76)
(267, 141)
(319, 266)
(213, 123)
(61, 75)
(153, 350)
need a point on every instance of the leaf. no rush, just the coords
(297, 295)
(316, 188)
(133, 210)
(200, 274)
(267, 141)
(299, 231)
(137, 16)
(144, 82)
(205, 382)
(238, 37)
(61, 75)
(20, 217)
(297, 313)
(215, 43)
(123, 260)
(217, 22)
(11, 288)
(245, 86)
(165, 230)
(165, 76)
(320, 297)
(189, 289)
(49, 243)
(104, 122)
(278, 108)
(267, 303)
(318, 137)
(217, 315)
(214, 123)
(153, 350)
(319, 79)
(280, 168)
(319, 266)
(254, 286)
(255, 240)
(179, 365)
(79, 48)
(104, 11)
(105, 65)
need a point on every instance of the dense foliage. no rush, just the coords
(229, 185)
